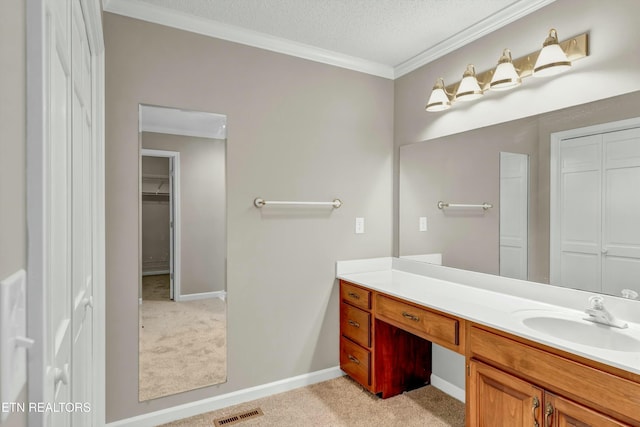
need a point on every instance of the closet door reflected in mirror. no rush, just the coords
(183, 246)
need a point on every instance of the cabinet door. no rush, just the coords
(560, 412)
(497, 399)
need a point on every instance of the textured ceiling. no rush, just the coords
(388, 38)
(384, 31)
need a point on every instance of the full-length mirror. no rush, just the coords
(563, 193)
(182, 286)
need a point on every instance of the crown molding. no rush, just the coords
(175, 19)
(147, 12)
(496, 21)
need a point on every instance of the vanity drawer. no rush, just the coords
(355, 295)
(355, 324)
(355, 361)
(427, 324)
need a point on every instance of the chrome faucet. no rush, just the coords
(599, 314)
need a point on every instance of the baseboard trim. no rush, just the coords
(206, 405)
(204, 295)
(448, 388)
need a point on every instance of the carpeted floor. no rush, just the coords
(182, 344)
(343, 403)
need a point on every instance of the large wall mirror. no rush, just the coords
(565, 206)
(182, 247)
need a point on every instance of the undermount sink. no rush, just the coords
(572, 327)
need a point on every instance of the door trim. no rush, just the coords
(174, 157)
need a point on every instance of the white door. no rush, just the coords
(82, 215)
(514, 215)
(61, 217)
(596, 213)
(58, 170)
(580, 195)
(621, 211)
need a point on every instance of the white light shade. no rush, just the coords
(552, 59)
(505, 76)
(469, 88)
(439, 100)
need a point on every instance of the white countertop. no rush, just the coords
(477, 302)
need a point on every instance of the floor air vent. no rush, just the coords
(236, 418)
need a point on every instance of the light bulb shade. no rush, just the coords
(505, 76)
(439, 100)
(469, 88)
(552, 59)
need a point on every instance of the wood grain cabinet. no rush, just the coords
(356, 338)
(385, 345)
(503, 400)
(513, 383)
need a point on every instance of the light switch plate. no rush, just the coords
(423, 223)
(13, 330)
(359, 225)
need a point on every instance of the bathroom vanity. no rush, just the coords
(531, 359)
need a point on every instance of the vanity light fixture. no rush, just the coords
(553, 58)
(439, 99)
(469, 88)
(506, 76)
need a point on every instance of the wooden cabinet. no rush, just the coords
(560, 412)
(385, 345)
(356, 334)
(384, 359)
(430, 325)
(502, 400)
(355, 360)
(517, 383)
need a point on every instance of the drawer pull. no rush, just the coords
(536, 404)
(547, 415)
(354, 295)
(410, 316)
(354, 360)
(353, 323)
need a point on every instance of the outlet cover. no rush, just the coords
(423, 223)
(359, 225)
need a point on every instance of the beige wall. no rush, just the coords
(612, 69)
(13, 229)
(297, 130)
(465, 168)
(203, 240)
(461, 168)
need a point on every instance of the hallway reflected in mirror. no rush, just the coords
(183, 250)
